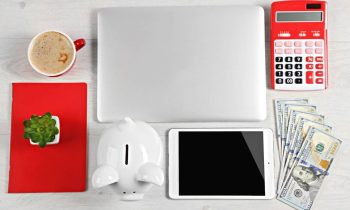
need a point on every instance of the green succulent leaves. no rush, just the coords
(40, 129)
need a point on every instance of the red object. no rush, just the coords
(319, 66)
(55, 168)
(319, 73)
(319, 80)
(309, 66)
(79, 43)
(309, 59)
(319, 59)
(299, 31)
(309, 77)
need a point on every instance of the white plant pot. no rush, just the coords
(57, 137)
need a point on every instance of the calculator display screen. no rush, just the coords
(299, 16)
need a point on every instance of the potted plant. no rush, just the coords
(42, 130)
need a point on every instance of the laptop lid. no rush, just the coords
(178, 64)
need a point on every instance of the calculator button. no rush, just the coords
(309, 77)
(287, 43)
(279, 73)
(298, 66)
(318, 44)
(309, 66)
(297, 44)
(309, 50)
(298, 59)
(288, 51)
(319, 73)
(319, 80)
(289, 73)
(319, 50)
(298, 73)
(278, 44)
(309, 59)
(279, 59)
(309, 43)
(278, 51)
(289, 59)
(319, 66)
(298, 81)
(298, 51)
(279, 66)
(288, 66)
(319, 59)
(289, 81)
(279, 81)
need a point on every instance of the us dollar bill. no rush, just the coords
(286, 114)
(279, 103)
(288, 108)
(302, 128)
(304, 122)
(306, 177)
(293, 118)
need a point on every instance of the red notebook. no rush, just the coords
(55, 168)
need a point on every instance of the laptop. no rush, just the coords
(181, 64)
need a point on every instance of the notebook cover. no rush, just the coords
(55, 168)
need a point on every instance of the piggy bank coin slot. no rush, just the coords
(126, 154)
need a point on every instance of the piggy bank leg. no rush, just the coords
(151, 173)
(104, 175)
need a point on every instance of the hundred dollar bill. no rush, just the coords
(292, 166)
(301, 130)
(304, 122)
(306, 177)
(288, 108)
(278, 115)
(293, 118)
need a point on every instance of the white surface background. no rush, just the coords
(22, 19)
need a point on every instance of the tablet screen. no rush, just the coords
(221, 163)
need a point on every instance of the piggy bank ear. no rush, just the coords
(150, 172)
(103, 176)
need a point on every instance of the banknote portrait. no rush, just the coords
(308, 179)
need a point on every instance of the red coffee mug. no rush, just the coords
(77, 45)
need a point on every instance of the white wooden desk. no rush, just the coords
(20, 20)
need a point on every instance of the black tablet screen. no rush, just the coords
(221, 163)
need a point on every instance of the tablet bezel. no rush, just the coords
(174, 161)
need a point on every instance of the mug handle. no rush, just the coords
(79, 43)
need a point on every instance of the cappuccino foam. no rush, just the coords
(51, 52)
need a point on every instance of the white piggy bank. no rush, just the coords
(129, 154)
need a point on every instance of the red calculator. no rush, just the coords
(299, 45)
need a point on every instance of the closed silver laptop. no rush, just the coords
(178, 64)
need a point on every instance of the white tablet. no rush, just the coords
(221, 164)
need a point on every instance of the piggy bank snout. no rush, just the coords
(137, 180)
(132, 196)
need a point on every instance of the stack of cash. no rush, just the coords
(306, 151)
